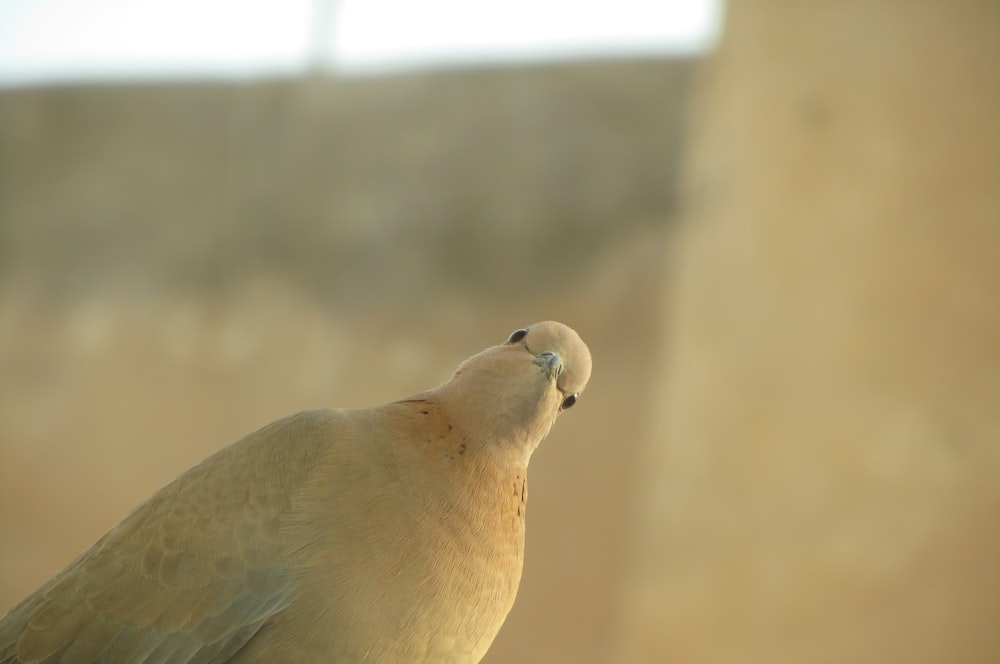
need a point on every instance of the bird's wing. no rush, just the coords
(189, 575)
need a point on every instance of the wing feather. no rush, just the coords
(190, 575)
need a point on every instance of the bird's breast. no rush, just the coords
(423, 558)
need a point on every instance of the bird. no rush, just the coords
(385, 534)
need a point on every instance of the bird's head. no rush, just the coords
(511, 394)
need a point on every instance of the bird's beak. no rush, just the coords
(550, 363)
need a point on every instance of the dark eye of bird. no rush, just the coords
(517, 335)
(568, 402)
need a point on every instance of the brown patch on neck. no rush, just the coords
(502, 479)
(438, 436)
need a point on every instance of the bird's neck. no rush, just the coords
(450, 435)
(508, 431)
(482, 487)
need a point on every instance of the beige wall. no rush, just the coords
(823, 480)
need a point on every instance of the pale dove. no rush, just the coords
(390, 534)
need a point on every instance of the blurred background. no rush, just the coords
(776, 224)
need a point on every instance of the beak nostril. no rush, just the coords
(550, 362)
